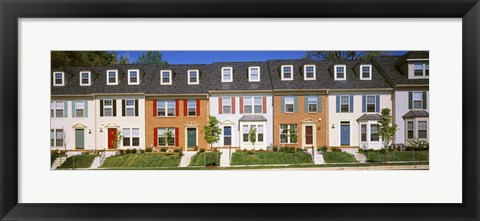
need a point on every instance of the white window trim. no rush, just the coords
(165, 108)
(282, 72)
(348, 103)
(129, 107)
(288, 134)
(250, 71)
(374, 104)
(407, 130)
(116, 77)
(417, 128)
(109, 106)
(413, 100)
(131, 137)
(231, 74)
(252, 104)
(63, 79)
(344, 73)
(424, 71)
(308, 104)
(89, 78)
(361, 72)
(230, 105)
(188, 108)
(166, 141)
(138, 77)
(198, 76)
(169, 76)
(305, 72)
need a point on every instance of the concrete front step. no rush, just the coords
(58, 162)
(358, 156)
(185, 160)
(96, 163)
(317, 157)
(225, 157)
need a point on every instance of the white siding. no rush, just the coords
(122, 122)
(336, 118)
(401, 108)
(68, 123)
(225, 118)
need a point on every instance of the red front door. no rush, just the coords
(308, 135)
(112, 133)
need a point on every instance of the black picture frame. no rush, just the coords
(11, 11)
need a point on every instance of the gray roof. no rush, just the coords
(415, 113)
(387, 65)
(240, 76)
(367, 117)
(99, 80)
(415, 55)
(180, 81)
(252, 118)
(324, 76)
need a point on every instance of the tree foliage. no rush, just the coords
(151, 57)
(386, 128)
(212, 131)
(252, 136)
(342, 55)
(82, 58)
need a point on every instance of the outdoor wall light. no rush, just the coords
(89, 131)
(101, 131)
(333, 126)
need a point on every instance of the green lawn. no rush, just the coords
(338, 157)
(259, 158)
(206, 158)
(399, 156)
(78, 161)
(144, 160)
(54, 156)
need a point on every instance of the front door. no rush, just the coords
(227, 136)
(79, 139)
(308, 135)
(345, 133)
(112, 135)
(191, 137)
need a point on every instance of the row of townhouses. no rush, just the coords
(333, 103)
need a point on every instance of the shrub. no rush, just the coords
(163, 149)
(148, 150)
(281, 149)
(142, 151)
(176, 150)
(250, 152)
(275, 149)
(121, 151)
(336, 149)
(419, 144)
(202, 150)
(322, 148)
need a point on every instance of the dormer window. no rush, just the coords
(254, 74)
(85, 78)
(309, 72)
(193, 77)
(134, 76)
(58, 78)
(112, 77)
(365, 72)
(340, 72)
(165, 77)
(287, 72)
(421, 70)
(227, 74)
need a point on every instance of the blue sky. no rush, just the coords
(206, 57)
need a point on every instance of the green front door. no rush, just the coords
(79, 139)
(191, 137)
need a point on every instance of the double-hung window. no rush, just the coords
(374, 132)
(254, 74)
(363, 132)
(165, 77)
(417, 99)
(286, 131)
(165, 108)
(289, 102)
(344, 104)
(309, 71)
(227, 74)
(163, 135)
(193, 77)
(227, 105)
(287, 72)
(253, 105)
(312, 104)
(85, 78)
(56, 109)
(58, 79)
(135, 137)
(257, 109)
(192, 107)
(421, 70)
(108, 107)
(365, 72)
(422, 129)
(371, 101)
(56, 137)
(247, 105)
(410, 130)
(133, 76)
(260, 133)
(340, 72)
(112, 77)
(126, 137)
(80, 108)
(245, 132)
(130, 107)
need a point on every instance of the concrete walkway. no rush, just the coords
(360, 157)
(225, 157)
(317, 157)
(58, 162)
(185, 160)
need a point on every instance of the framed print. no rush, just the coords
(239, 110)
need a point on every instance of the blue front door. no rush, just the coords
(345, 133)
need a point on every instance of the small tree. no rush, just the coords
(252, 136)
(168, 136)
(387, 128)
(293, 136)
(118, 139)
(212, 131)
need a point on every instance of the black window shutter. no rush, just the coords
(136, 107)
(114, 107)
(101, 108)
(424, 100)
(123, 107)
